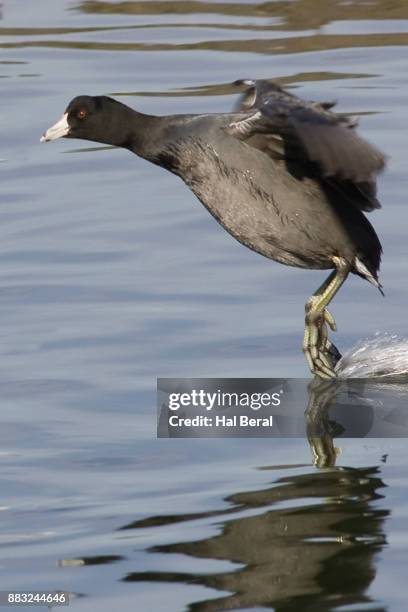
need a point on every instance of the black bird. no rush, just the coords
(287, 178)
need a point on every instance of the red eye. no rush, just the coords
(81, 114)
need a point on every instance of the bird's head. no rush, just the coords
(90, 118)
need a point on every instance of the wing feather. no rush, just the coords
(319, 140)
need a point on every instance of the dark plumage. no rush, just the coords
(287, 178)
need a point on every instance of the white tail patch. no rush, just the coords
(362, 269)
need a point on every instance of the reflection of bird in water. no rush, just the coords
(287, 178)
(322, 394)
(354, 408)
(293, 554)
(308, 541)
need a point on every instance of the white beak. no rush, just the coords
(59, 129)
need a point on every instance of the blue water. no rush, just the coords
(112, 274)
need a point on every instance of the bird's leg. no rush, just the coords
(320, 353)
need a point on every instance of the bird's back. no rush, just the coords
(261, 201)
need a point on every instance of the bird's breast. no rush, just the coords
(251, 198)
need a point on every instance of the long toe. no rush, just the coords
(322, 367)
(328, 317)
(316, 347)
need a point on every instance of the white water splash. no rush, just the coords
(385, 355)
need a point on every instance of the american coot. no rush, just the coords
(287, 178)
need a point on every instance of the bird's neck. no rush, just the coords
(141, 133)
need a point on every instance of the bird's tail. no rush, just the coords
(370, 275)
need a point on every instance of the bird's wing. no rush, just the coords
(312, 136)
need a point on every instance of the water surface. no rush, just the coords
(112, 274)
